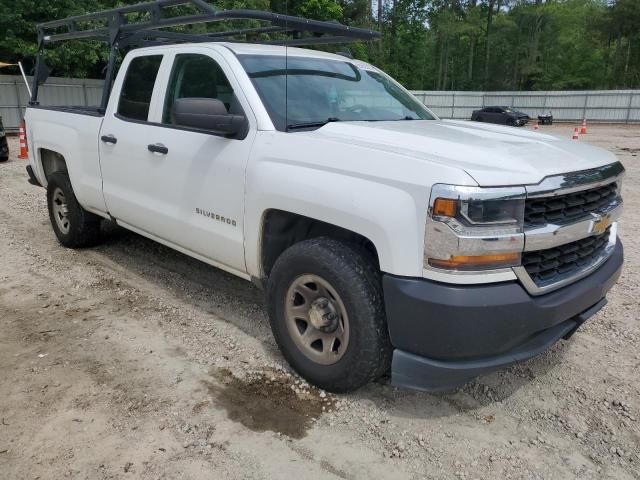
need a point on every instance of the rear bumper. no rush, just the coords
(444, 335)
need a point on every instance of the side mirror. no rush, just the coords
(208, 114)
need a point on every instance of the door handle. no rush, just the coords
(158, 148)
(109, 139)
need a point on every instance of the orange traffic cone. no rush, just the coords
(536, 126)
(24, 154)
(583, 129)
(575, 134)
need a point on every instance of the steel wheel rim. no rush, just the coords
(61, 211)
(321, 332)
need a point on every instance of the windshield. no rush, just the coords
(315, 91)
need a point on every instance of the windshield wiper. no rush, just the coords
(297, 126)
(407, 117)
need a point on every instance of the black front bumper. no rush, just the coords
(444, 335)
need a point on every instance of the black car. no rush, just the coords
(501, 116)
(4, 146)
(545, 119)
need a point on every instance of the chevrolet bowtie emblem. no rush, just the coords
(600, 224)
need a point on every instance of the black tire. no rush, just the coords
(511, 122)
(479, 119)
(83, 228)
(351, 272)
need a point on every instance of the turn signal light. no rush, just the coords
(467, 262)
(445, 207)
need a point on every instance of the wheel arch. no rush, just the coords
(281, 229)
(51, 162)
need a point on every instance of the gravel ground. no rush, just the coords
(130, 360)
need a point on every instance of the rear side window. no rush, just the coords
(135, 97)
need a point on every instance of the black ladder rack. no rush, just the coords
(119, 30)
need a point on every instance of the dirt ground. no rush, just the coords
(129, 360)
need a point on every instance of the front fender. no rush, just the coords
(360, 190)
(378, 212)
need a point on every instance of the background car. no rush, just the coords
(501, 116)
(4, 146)
(545, 119)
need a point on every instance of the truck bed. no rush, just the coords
(71, 132)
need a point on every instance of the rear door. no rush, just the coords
(127, 174)
(178, 185)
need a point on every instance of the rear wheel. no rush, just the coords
(72, 224)
(327, 314)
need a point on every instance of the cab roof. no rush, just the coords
(257, 49)
(261, 49)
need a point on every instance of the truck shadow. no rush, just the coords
(207, 288)
(240, 303)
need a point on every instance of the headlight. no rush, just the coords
(473, 228)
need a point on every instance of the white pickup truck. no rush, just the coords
(385, 238)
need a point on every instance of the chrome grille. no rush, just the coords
(544, 266)
(564, 215)
(565, 208)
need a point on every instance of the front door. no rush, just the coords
(178, 185)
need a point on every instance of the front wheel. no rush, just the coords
(327, 314)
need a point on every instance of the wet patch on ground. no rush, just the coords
(269, 401)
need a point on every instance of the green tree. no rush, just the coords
(18, 40)
(426, 44)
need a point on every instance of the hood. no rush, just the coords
(492, 155)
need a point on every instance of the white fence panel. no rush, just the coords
(617, 106)
(14, 96)
(621, 106)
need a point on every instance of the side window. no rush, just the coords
(197, 76)
(135, 97)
